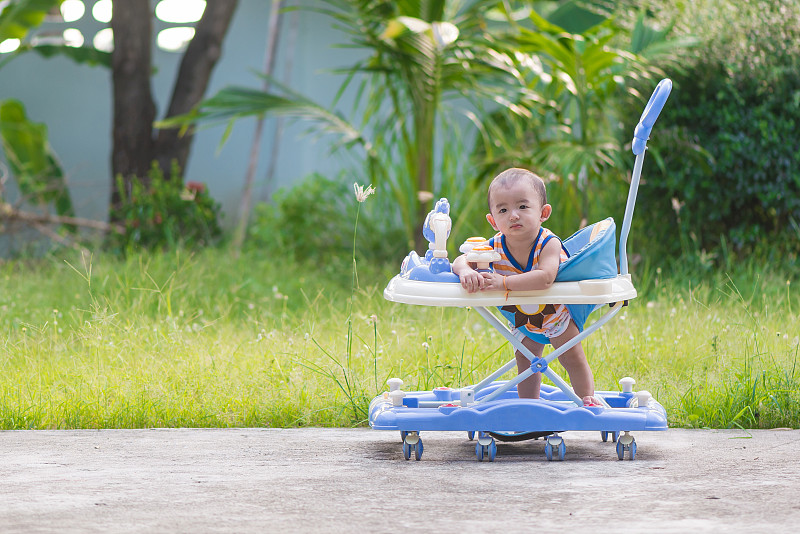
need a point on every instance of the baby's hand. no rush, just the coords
(471, 280)
(493, 282)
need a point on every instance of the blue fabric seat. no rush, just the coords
(592, 253)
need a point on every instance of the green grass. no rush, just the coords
(208, 340)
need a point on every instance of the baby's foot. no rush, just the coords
(591, 401)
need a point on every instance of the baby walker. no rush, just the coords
(587, 281)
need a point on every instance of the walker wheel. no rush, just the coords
(485, 447)
(486, 451)
(470, 435)
(555, 444)
(412, 444)
(407, 451)
(404, 433)
(629, 445)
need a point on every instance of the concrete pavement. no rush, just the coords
(356, 480)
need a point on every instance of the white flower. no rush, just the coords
(361, 194)
(424, 196)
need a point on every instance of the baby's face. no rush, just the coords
(517, 211)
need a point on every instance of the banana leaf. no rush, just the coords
(18, 17)
(81, 55)
(32, 162)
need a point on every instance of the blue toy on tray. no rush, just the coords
(587, 281)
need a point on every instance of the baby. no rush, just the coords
(529, 258)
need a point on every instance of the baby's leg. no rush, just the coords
(574, 361)
(529, 388)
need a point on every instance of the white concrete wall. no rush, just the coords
(75, 103)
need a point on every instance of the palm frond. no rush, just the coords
(233, 103)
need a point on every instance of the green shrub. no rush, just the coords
(731, 152)
(164, 214)
(314, 221)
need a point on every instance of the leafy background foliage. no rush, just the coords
(730, 179)
(450, 93)
(165, 214)
(314, 221)
(31, 159)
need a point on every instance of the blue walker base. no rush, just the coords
(510, 418)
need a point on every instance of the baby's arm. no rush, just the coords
(542, 277)
(471, 280)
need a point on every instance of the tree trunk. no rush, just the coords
(134, 109)
(136, 145)
(198, 62)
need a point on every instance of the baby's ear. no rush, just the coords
(491, 221)
(547, 210)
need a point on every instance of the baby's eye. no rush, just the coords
(503, 210)
(523, 207)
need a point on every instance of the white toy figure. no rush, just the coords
(436, 230)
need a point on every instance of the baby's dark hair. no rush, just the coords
(511, 176)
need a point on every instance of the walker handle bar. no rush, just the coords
(650, 114)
